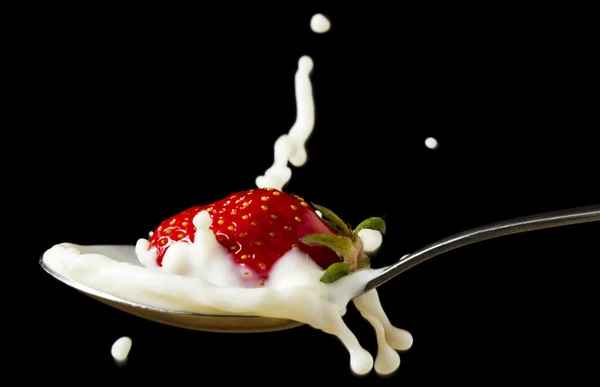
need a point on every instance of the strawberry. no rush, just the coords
(259, 226)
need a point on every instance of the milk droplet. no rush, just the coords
(431, 143)
(320, 24)
(120, 350)
(371, 239)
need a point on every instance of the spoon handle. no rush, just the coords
(493, 230)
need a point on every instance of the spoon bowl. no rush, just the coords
(205, 322)
(255, 324)
(187, 320)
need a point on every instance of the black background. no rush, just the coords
(143, 112)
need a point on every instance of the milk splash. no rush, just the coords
(200, 277)
(291, 147)
(294, 290)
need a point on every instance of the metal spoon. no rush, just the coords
(247, 324)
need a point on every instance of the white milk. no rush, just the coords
(120, 350)
(294, 290)
(291, 147)
(201, 277)
(431, 143)
(320, 24)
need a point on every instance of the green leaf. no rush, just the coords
(335, 272)
(334, 226)
(341, 245)
(333, 218)
(371, 224)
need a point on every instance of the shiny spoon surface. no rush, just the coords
(249, 324)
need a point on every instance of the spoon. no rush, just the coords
(248, 324)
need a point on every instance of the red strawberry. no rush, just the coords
(259, 226)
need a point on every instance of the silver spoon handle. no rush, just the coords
(494, 230)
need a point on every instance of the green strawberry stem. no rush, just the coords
(371, 224)
(333, 220)
(335, 272)
(347, 244)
